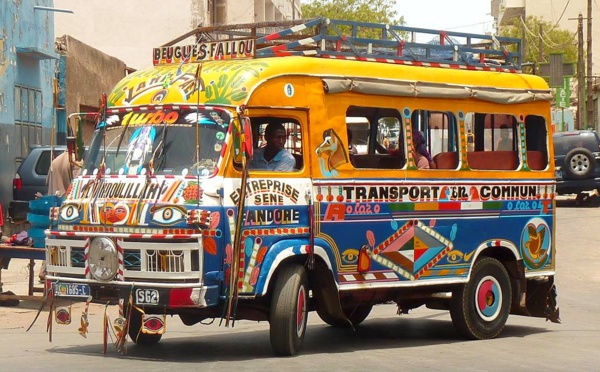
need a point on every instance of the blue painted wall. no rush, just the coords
(26, 51)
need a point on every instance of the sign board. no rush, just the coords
(228, 49)
(563, 94)
(556, 70)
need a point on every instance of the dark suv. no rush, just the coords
(577, 161)
(30, 179)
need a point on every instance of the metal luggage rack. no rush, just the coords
(339, 39)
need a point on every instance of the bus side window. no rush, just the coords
(495, 142)
(536, 133)
(440, 129)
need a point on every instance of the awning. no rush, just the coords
(433, 90)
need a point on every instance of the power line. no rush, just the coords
(561, 15)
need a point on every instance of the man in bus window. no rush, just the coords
(504, 144)
(273, 156)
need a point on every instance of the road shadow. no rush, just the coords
(373, 334)
(589, 201)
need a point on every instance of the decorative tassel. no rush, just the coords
(83, 330)
(50, 317)
(105, 330)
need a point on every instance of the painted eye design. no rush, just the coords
(69, 213)
(350, 255)
(168, 216)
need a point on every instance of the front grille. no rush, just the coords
(142, 260)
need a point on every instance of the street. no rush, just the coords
(422, 340)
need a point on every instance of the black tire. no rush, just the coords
(289, 310)
(579, 163)
(480, 308)
(356, 315)
(135, 330)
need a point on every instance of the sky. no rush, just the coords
(471, 16)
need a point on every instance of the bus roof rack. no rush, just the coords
(364, 41)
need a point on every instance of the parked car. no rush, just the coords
(30, 180)
(577, 162)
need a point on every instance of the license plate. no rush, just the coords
(146, 296)
(71, 290)
(558, 174)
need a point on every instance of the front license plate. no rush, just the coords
(71, 290)
(146, 296)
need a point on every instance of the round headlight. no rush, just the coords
(103, 260)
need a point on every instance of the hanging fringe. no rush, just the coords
(83, 330)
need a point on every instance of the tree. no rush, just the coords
(374, 11)
(554, 40)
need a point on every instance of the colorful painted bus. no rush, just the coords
(168, 218)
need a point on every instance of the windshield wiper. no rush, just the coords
(159, 150)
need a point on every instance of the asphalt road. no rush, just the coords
(422, 340)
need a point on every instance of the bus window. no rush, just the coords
(293, 132)
(535, 140)
(440, 131)
(495, 142)
(377, 137)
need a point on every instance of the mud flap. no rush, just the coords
(326, 293)
(541, 299)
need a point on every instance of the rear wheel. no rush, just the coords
(289, 312)
(356, 315)
(480, 308)
(135, 330)
(579, 163)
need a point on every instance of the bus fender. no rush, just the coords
(281, 251)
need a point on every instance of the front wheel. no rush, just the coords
(289, 310)
(480, 308)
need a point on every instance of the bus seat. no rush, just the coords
(391, 162)
(536, 160)
(446, 160)
(493, 160)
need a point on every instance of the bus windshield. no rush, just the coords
(162, 142)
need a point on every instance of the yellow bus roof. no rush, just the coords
(231, 82)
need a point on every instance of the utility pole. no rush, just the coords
(540, 44)
(580, 74)
(589, 120)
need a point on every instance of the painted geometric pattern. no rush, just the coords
(413, 249)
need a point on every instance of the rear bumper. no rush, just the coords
(576, 186)
(17, 211)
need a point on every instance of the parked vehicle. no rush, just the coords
(577, 162)
(30, 180)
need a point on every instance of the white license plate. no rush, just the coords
(71, 290)
(558, 174)
(146, 296)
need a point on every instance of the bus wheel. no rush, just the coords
(135, 330)
(480, 308)
(356, 315)
(289, 312)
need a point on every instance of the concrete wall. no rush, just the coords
(128, 29)
(26, 43)
(89, 73)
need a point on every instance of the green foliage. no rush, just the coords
(554, 40)
(373, 11)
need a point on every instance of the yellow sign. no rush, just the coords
(229, 49)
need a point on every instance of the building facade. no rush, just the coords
(130, 29)
(27, 67)
(563, 14)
